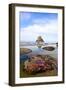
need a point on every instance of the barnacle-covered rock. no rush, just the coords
(40, 63)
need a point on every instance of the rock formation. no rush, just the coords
(39, 41)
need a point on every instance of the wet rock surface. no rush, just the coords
(49, 48)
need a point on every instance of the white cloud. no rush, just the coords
(46, 30)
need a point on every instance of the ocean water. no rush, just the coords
(40, 51)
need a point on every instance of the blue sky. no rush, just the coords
(34, 24)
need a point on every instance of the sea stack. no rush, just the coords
(39, 42)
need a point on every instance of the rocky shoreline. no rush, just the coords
(40, 63)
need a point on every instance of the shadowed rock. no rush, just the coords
(49, 48)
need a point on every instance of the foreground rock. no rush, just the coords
(40, 63)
